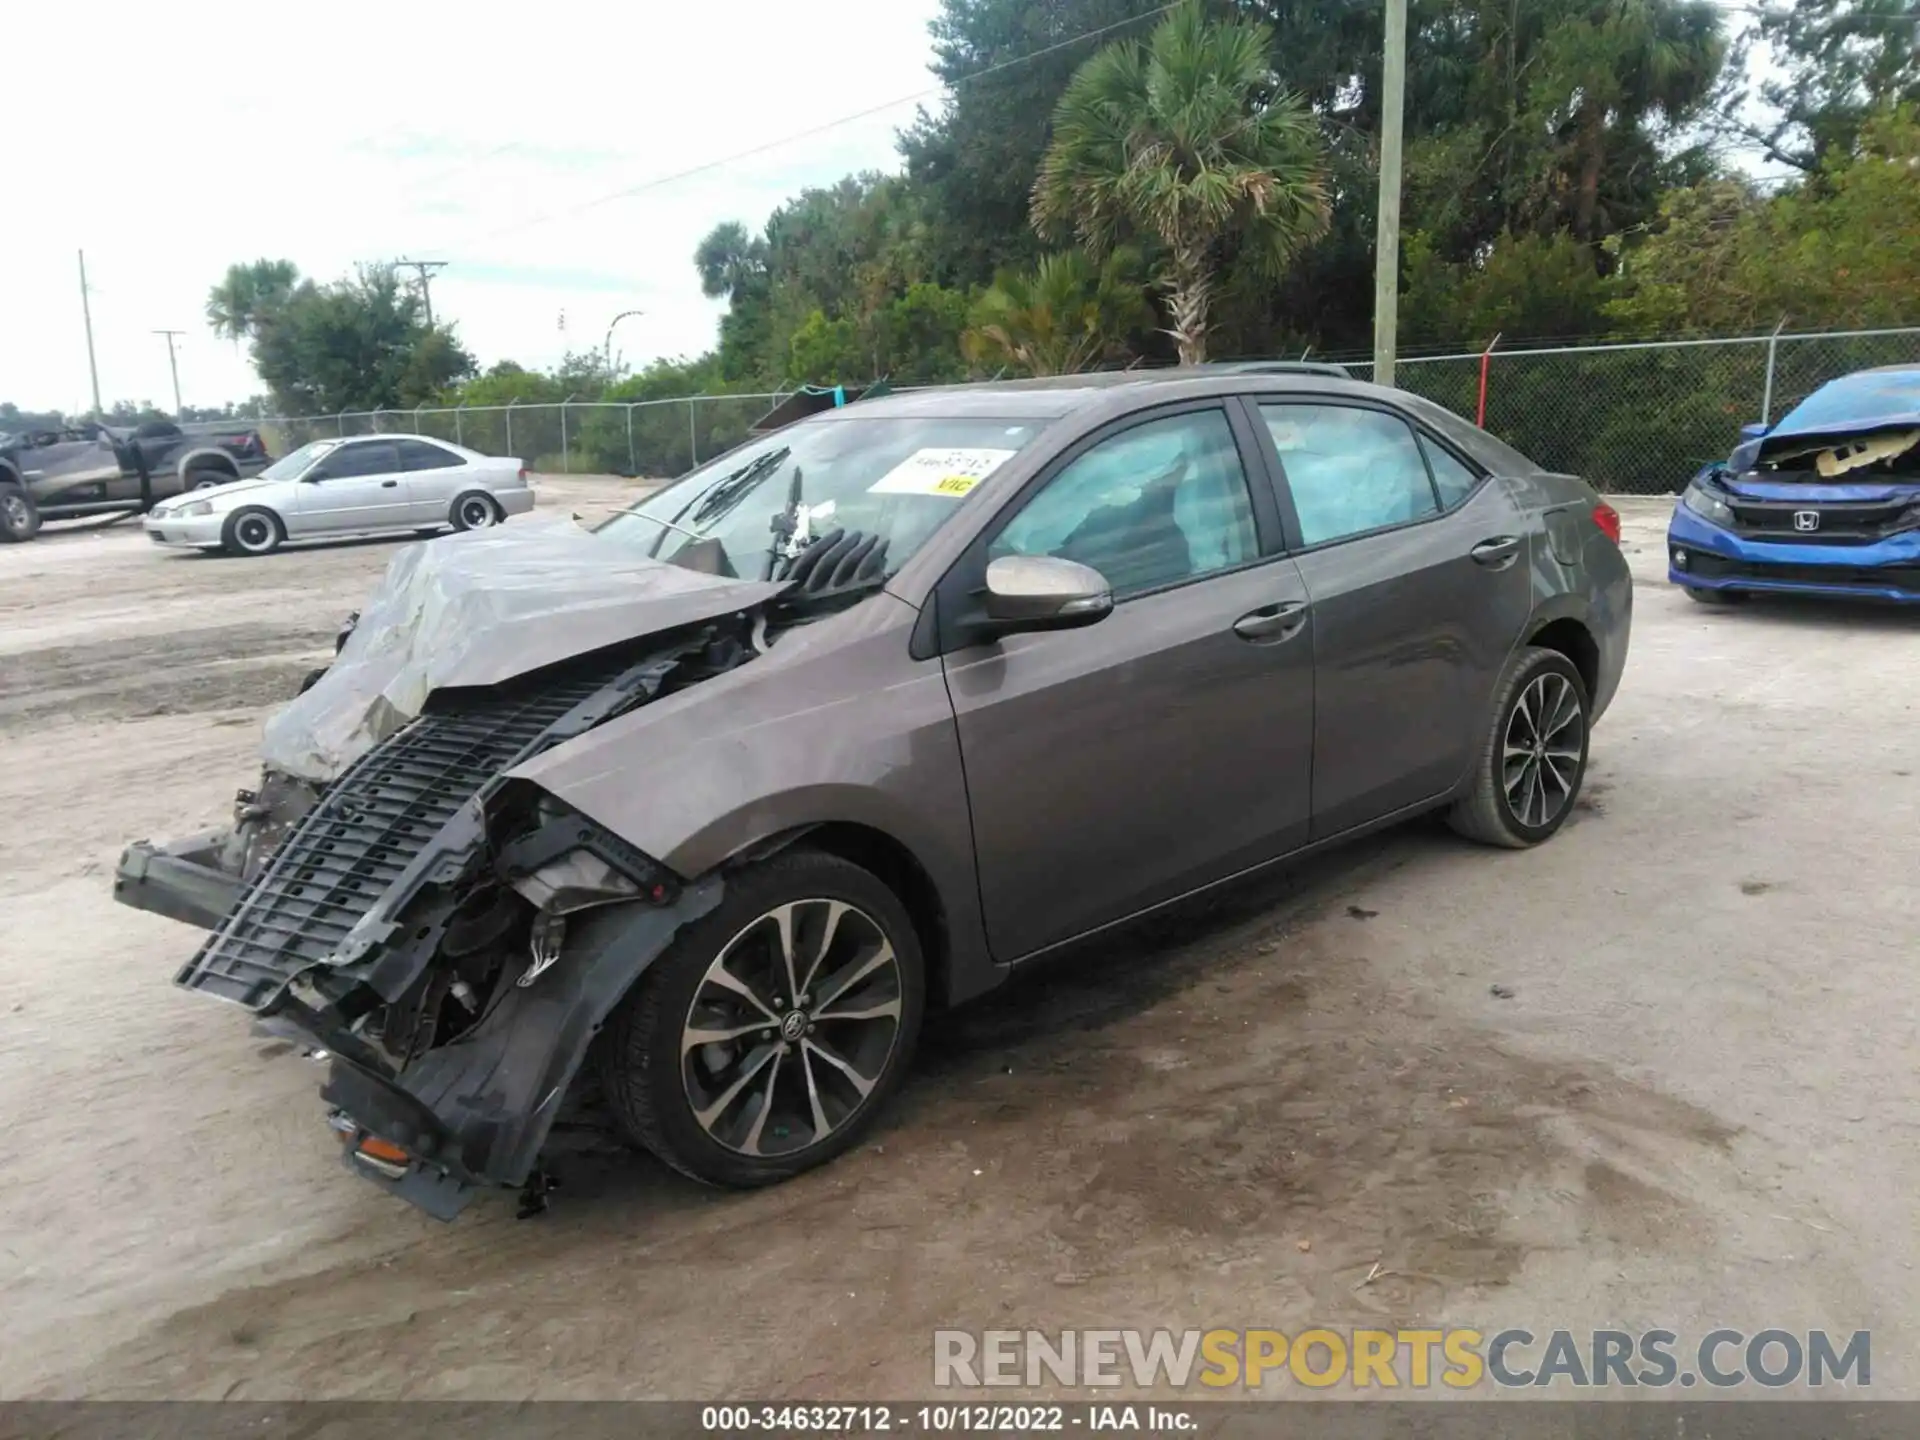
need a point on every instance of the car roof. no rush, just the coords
(398, 435)
(1054, 396)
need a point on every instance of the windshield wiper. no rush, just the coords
(736, 487)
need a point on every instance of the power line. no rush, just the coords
(807, 134)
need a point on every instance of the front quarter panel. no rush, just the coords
(836, 724)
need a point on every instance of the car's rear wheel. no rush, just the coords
(772, 1032)
(205, 479)
(1702, 596)
(19, 516)
(252, 532)
(476, 510)
(1534, 758)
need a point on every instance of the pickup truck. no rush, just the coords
(94, 469)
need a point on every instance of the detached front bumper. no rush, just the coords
(466, 1116)
(1703, 556)
(198, 533)
(182, 880)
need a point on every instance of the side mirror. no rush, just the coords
(1042, 592)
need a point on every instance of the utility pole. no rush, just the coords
(179, 410)
(608, 361)
(1386, 263)
(426, 269)
(86, 313)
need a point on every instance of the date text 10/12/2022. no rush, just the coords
(944, 1419)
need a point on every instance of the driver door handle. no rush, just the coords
(1497, 553)
(1271, 624)
(388, 484)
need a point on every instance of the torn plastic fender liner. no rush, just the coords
(477, 1112)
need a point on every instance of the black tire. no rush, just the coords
(1503, 807)
(252, 531)
(474, 510)
(19, 516)
(650, 1075)
(1701, 596)
(205, 479)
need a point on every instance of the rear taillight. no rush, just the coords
(1608, 519)
(523, 474)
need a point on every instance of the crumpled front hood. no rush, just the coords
(479, 608)
(1863, 403)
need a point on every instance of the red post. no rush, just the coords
(1486, 363)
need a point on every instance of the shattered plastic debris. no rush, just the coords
(476, 609)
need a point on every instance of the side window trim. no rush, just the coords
(1283, 491)
(948, 595)
(1430, 441)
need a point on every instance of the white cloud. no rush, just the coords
(216, 132)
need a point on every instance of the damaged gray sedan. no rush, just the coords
(719, 798)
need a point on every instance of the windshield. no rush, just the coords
(894, 478)
(291, 467)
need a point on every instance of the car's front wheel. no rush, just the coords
(771, 1033)
(1701, 596)
(1534, 757)
(252, 531)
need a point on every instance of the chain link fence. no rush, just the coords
(1638, 419)
(1632, 418)
(648, 438)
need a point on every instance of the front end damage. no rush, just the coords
(449, 936)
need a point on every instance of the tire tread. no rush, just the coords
(1480, 815)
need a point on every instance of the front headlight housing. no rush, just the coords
(566, 863)
(193, 510)
(1707, 505)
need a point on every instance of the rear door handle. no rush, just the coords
(388, 484)
(1272, 623)
(1497, 553)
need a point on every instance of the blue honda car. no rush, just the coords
(1827, 502)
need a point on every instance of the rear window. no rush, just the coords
(1483, 446)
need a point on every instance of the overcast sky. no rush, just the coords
(207, 132)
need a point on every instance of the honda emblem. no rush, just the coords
(1806, 519)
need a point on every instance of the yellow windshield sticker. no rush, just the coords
(949, 472)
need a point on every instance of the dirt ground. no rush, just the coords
(1696, 1107)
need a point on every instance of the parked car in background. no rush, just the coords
(95, 469)
(859, 718)
(338, 489)
(1827, 502)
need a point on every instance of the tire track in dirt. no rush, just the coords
(223, 667)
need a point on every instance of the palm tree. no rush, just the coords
(238, 303)
(1063, 316)
(727, 259)
(1185, 139)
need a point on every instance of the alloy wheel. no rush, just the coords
(475, 513)
(791, 1028)
(1540, 760)
(15, 510)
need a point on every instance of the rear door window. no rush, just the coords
(1350, 470)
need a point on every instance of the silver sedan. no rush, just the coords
(338, 489)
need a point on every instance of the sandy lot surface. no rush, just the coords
(1697, 1106)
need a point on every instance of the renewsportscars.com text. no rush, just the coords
(1459, 1359)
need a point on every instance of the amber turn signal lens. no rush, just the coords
(374, 1148)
